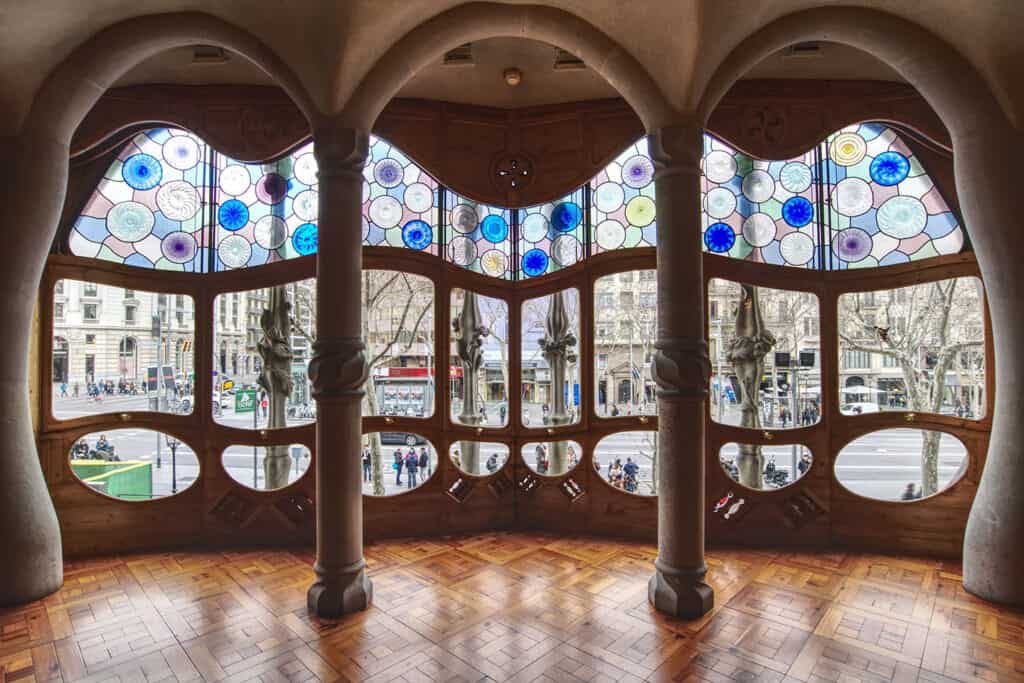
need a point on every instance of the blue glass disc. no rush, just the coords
(142, 171)
(565, 216)
(494, 228)
(719, 238)
(890, 168)
(535, 262)
(304, 239)
(797, 211)
(233, 215)
(417, 235)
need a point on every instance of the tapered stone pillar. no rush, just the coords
(338, 371)
(681, 369)
(32, 185)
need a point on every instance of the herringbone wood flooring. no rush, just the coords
(511, 607)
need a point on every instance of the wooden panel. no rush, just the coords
(510, 607)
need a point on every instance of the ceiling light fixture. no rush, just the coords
(513, 76)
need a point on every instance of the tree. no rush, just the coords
(922, 330)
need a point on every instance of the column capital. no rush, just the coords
(681, 368)
(340, 151)
(676, 150)
(338, 368)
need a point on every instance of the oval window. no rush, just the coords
(476, 458)
(134, 464)
(764, 468)
(394, 462)
(552, 458)
(901, 464)
(629, 461)
(266, 468)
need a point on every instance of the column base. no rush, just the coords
(340, 592)
(680, 592)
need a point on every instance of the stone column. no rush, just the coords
(681, 369)
(32, 186)
(468, 334)
(557, 346)
(746, 353)
(338, 371)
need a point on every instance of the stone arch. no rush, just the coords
(986, 151)
(479, 20)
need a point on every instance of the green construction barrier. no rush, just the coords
(128, 480)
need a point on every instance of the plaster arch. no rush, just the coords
(479, 20)
(987, 149)
(34, 183)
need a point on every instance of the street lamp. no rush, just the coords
(173, 444)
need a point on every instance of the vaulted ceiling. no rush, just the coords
(331, 45)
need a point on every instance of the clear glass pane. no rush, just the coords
(919, 348)
(134, 464)
(550, 359)
(117, 350)
(266, 468)
(765, 360)
(629, 461)
(901, 464)
(765, 467)
(481, 459)
(625, 327)
(398, 329)
(478, 375)
(262, 344)
(394, 462)
(552, 458)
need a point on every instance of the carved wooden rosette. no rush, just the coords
(338, 368)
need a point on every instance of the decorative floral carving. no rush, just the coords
(681, 368)
(767, 124)
(338, 367)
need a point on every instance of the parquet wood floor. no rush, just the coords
(511, 607)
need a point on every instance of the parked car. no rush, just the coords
(858, 408)
(406, 438)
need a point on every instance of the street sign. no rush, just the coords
(228, 384)
(245, 401)
(152, 378)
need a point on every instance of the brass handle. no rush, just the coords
(644, 419)
(767, 436)
(125, 417)
(479, 430)
(389, 420)
(263, 434)
(910, 417)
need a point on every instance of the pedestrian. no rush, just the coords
(411, 468)
(541, 469)
(492, 463)
(63, 390)
(805, 463)
(455, 458)
(783, 416)
(424, 462)
(909, 493)
(573, 458)
(630, 470)
(366, 464)
(397, 465)
(615, 410)
(74, 389)
(503, 412)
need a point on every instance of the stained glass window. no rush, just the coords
(623, 214)
(552, 235)
(884, 209)
(150, 208)
(266, 212)
(399, 201)
(757, 210)
(479, 236)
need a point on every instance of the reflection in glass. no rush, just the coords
(119, 350)
(625, 326)
(549, 360)
(263, 341)
(772, 468)
(134, 464)
(901, 464)
(552, 458)
(766, 371)
(266, 468)
(629, 461)
(491, 457)
(919, 348)
(394, 462)
(398, 329)
(478, 378)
